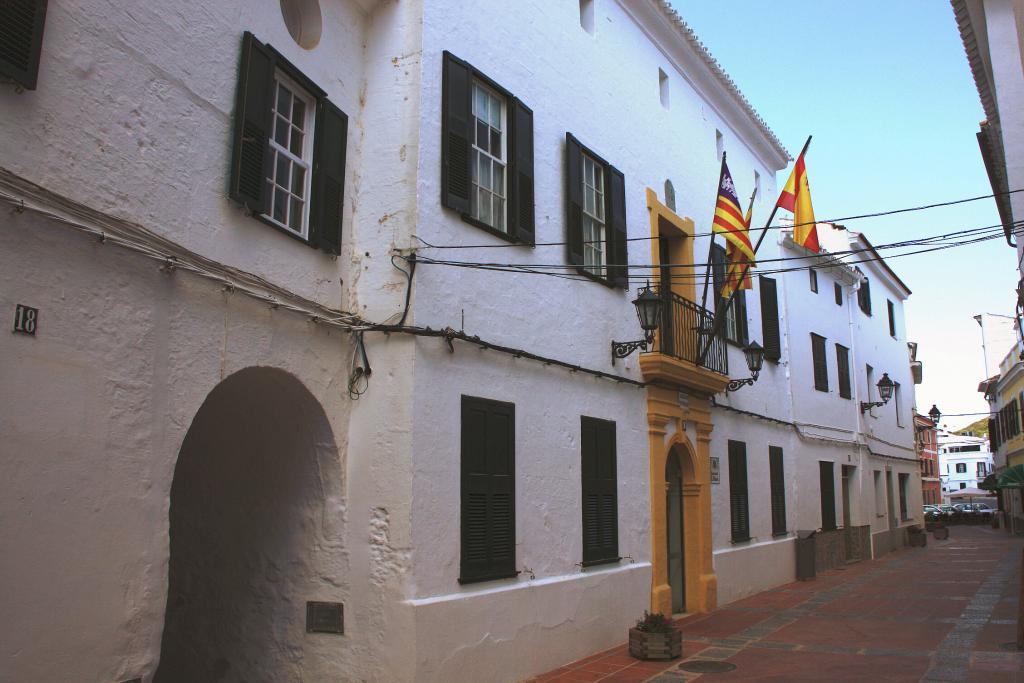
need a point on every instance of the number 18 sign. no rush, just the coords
(25, 319)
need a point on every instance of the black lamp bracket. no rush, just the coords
(623, 349)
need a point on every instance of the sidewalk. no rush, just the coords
(940, 613)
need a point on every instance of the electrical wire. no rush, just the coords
(837, 260)
(877, 214)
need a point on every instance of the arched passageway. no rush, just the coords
(254, 515)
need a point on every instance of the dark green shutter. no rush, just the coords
(839, 293)
(250, 158)
(618, 272)
(600, 491)
(488, 490)
(456, 109)
(574, 200)
(328, 177)
(820, 362)
(770, 318)
(843, 370)
(776, 472)
(21, 40)
(520, 205)
(739, 305)
(892, 318)
(738, 503)
(864, 296)
(828, 495)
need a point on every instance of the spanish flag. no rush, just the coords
(737, 275)
(796, 197)
(729, 219)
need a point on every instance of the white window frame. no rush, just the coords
(474, 200)
(595, 241)
(305, 162)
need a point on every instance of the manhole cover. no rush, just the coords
(1012, 647)
(704, 666)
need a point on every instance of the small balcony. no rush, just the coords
(679, 356)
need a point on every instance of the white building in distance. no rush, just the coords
(964, 462)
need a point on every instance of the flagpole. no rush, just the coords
(720, 316)
(711, 243)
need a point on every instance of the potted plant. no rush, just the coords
(654, 637)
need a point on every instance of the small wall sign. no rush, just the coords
(716, 475)
(26, 319)
(325, 617)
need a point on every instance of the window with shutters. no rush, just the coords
(486, 153)
(735, 325)
(828, 495)
(770, 318)
(487, 490)
(843, 370)
(839, 293)
(595, 215)
(864, 296)
(820, 364)
(961, 468)
(739, 508)
(778, 490)
(600, 492)
(288, 160)
(814, 279)
(892, 318)
(21, 40)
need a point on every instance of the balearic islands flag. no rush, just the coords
(796, 197)
(729, 216)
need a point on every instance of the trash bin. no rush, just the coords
(805, 543)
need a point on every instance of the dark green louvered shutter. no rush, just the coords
(21, 40)
(739, 508)
(250, 159)
(574, 200)
(739, 305)
(488, 490)
(828, 495)
(843, 370)
(770, 318)
(600, 492)
(776, 472)
(328, 177)
(520, 206)
(820, 363)
(456, 108)
(618, 272)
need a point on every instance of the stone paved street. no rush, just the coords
(942, 613)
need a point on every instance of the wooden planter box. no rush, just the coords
(644, 645)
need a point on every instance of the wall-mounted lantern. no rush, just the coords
(754, 355)
(885, 386)
(648, 310)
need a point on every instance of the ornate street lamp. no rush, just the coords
(648, 310)
(754, 354)
(935, 414)
(885, 386)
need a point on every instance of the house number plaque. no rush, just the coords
(716, 475)
(26, 319)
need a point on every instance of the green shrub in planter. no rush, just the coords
(654, 637)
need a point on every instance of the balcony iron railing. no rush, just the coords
(685, 331)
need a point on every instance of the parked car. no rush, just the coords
(948, 510)
(977, 509)
(932, 508)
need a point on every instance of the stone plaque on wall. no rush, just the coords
(715, 473)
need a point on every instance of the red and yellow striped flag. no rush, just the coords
(729, 219)
(737, 275)
(796, 197)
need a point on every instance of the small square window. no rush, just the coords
(487, 200)
(291, 151)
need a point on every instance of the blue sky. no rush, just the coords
(886, 91)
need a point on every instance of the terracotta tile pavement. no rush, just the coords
(940, 613)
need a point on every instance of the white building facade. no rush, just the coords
(815, 460)
(964, 462)
(248, 435)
